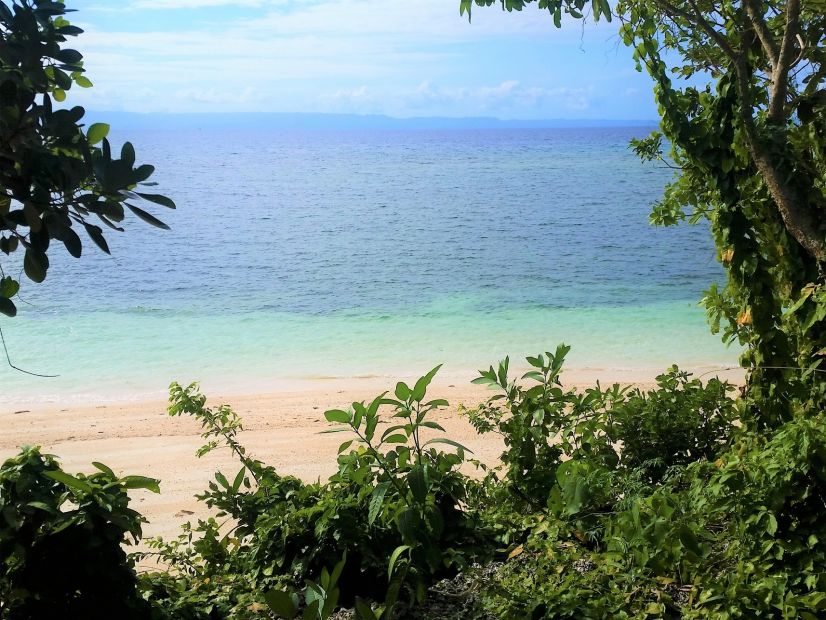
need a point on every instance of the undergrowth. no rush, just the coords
(609, 502)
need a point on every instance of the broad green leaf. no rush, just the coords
(338, 568)
(96, 235)
(97, 132)
(337, 415)
(402, 391)
(397, 438)
(35, 264)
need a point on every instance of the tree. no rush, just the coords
(749, 146)
(56, 175)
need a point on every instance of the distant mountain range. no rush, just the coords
(258, 120)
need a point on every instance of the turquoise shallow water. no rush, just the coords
(307, 254)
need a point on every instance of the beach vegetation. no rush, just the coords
(62, 541)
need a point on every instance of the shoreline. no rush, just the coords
(281, 428)
(235, 387)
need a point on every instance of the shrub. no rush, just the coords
(60, 540)
(679, 422)
(395, 508)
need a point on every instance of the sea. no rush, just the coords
(345, 253)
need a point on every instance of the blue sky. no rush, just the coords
(415, 58)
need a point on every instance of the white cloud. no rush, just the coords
(336, 55)
(192, 4)
(508, 95)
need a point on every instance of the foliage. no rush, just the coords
(741, 90)
(60, 541)
(680, 422)
(653, 503)
(55, 174)
(729, 527)
(395, 508)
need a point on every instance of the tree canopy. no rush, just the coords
(740, 87)
(56, 174)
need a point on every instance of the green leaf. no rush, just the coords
(397, 438)
(35, 264)
(83, 81)
(147, 217)
(105, 469)
(97, 132)
(9, 287)
(127, 154)
(96, 234)
(337, 415)
(141, 482)
(433, 425)
(157, 198)
(69, 480)
(239, 478)
(222, 479)
(402, 391)
(376, 499)
(311, 611)
(420, 388)
(503, 372)
(534, 361)
(337, 569)
(7, 307)
(394, 557)
(43, 506)
(72, 243)
(447, 441)
(282, 602)
(418, 484)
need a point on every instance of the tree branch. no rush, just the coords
(798, 218)
(780, 86)
(762, 30)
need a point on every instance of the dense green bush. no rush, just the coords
(60, 541)
(395, 509)
(680, 422)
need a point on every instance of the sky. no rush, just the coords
(403, 59)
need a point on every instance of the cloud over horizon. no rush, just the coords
(362, 56)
